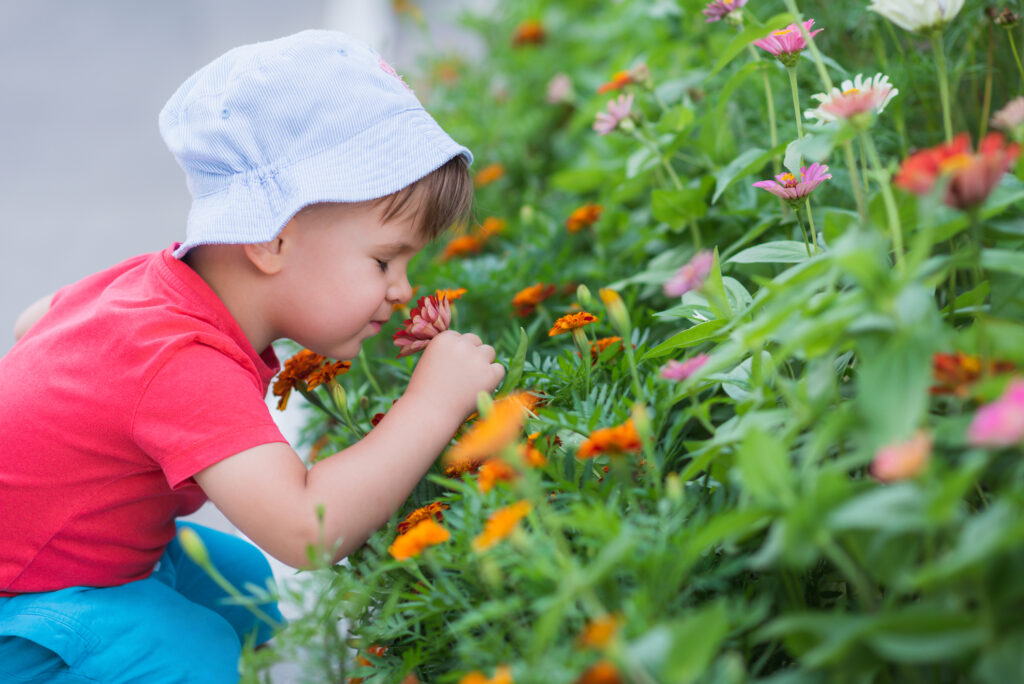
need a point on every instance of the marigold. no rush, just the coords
(619, 80)
(602, 672)
(571, 322)
(526, 300)
(431, 510)
(500, 525)
(462, 245)
(492, 225)
(378, 651)
(599, 632)
(502, 675)
(492, 472)
(306, 367)
(488, 436)
(583, 217)
(529, 32)
(600, 345)
(955, 373)
(450, 294)
(488, 174)
(423, 534)
(614, 441)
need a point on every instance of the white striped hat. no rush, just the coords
(269, 128)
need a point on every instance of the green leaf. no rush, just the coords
(688, 338)
(676, 207)
(580, 180)
(748, 35)
(695, 641)
(778, 252)
(765, 468)
(515, 365)
(1005, 260)
(748, 162)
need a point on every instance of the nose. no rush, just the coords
(400, 291)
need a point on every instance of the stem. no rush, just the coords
(770, 103)
(369, 375)
(652, 144)
(583, 346)
(858, 191)
(803, 231)
(810, 222)
(940, 65)
(695, 233)
(846, 565)
(815, 53)
(242, 600)
(891, 212)
(986, 99)
(1016, 57)
(796, 101)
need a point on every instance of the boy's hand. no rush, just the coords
(455, 367)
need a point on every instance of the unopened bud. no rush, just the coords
(194, 547)
(616, 310)
(584, 297)
(641, 420)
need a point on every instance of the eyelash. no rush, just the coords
(383, 265)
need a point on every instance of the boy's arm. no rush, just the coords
(29, 316)
(269, 494)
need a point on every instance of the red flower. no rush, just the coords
(430, 317)
(971, 175)
(955, 373)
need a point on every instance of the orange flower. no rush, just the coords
(488, 174)
(423, 534)
(378, 651)
(602, 672)
(529, 32)
(600, 345)
(955, 373)
(491, 226)
(531, 455)
(620, 80)
(598, 633)
(583, 217)
(502, 675)
(305, 367)
(500, 524)
(462, 245)
(494, 471)
(450, 295)
(526, 300)
(571, 322)
(431, 510)
(904, 460)
(490, 435)
(614, 441)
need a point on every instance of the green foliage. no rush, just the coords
(748, 539)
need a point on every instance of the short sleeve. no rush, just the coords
(201, 407)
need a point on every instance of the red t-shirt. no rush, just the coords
(136, 379)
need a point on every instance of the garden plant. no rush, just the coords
(755, 270)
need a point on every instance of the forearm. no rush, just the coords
(29, 316)
(360, 487)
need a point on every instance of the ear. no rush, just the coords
(268, 257)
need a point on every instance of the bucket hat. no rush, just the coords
(269, 128)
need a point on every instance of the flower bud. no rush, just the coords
(584, 297)
(194, 547)
(616, 310)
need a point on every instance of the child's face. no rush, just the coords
(345, 270)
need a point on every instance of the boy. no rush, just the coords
(138, 393)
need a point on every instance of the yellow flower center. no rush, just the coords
(783, 32)
(955, 163)
(788, 180)
(851, 91)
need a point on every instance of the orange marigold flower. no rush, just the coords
(583, 217)
(423, 534)
(500, 524)
(362, 660)
(450, 294)
(488, 174)
(492, 225)
(492, 472)
(602, 672)
(488, 436)
(529, 32)
(305, 367)
(619, 80)
(599, 632)
(571, 322)
(614, 441)
(955, 373)
(502, 675)
(431, 510)
(600, 345)
(462, 245)
(526, 300)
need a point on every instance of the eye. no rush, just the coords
(383, 265)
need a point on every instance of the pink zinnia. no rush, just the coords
(690, 276)
(1000, 423)
(559, 88)
(788, 43)
(855, 97)
(681, 370)
(1011, 116)
(720, 9)
(904, 460)
(618, 110)
(430, 317)
(793, 189)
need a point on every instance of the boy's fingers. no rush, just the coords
(488, 351)
(499, 372)
(475, 339)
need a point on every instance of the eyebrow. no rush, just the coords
(395, 248)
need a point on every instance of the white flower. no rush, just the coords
(917, 15)
(852, 98)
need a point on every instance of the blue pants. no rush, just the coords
(172, 627)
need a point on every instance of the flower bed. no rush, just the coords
(760, 297)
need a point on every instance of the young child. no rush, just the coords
(136, 394)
